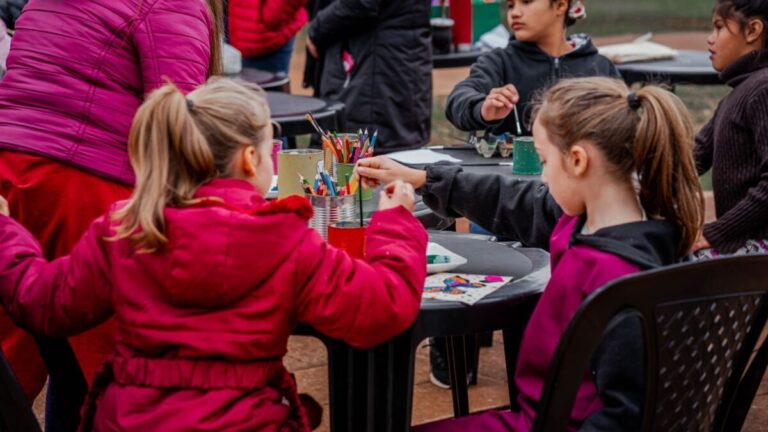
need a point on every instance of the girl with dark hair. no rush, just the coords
(540, 54)
(734, 144)
(619, 195)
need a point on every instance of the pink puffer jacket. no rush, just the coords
(79, 69)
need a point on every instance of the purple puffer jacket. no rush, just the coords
(79, 69)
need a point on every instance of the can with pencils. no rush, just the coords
(331, 209)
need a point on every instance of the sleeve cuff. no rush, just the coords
(717, 236)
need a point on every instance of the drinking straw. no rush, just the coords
(360, 200)
(517, 122)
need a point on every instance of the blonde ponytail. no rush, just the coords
(648, 133)
(178, 143)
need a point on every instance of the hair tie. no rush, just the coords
(190, 104)
(632, 100)
(577, 11)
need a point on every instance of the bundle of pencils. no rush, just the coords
(344, 149)
(324, 185)
(349, 151)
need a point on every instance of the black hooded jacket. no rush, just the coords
(390, 87)
(530, 70)
(523, 210)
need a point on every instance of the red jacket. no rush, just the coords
(259, 27)
(203, 324)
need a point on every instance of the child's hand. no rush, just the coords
(499, 103)
(377, 170)
(701, 243)
(397, 193)
(4, 207)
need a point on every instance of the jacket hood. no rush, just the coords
(647, 244)
(581, 43)
(227, 245)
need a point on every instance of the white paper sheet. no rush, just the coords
(421, 157)
(463, 288)
(642, 49)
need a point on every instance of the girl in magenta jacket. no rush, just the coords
(77, 73)
(619, 194)
(207, 279)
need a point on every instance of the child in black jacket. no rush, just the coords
(536, 59)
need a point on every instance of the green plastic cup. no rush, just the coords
(525, 160)
(341, 177)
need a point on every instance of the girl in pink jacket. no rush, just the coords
(207, 279)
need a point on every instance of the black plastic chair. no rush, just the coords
(15, 414)
(700, 324)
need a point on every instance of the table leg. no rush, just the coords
(457, 371)
(391, 385)
(347, 370)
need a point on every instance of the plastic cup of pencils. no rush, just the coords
(344, 172)
(525, 160)
(290, 162)
(348, 236)
(329, 210)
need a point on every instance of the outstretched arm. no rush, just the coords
(60, 298)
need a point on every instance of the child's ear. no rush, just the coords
(561, 7)
(250, 160)
(755, 30)
(577, 160)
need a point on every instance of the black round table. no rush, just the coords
(455, 59)
(689, 67)
(288, 111)
(372, 390)
(474, 162)
(267, 80)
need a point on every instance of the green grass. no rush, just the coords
(610, 17)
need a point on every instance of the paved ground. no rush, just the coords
(307, 356)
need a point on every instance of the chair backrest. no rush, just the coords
(15, 413)
(701, 322)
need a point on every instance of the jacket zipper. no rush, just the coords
(556, 72)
